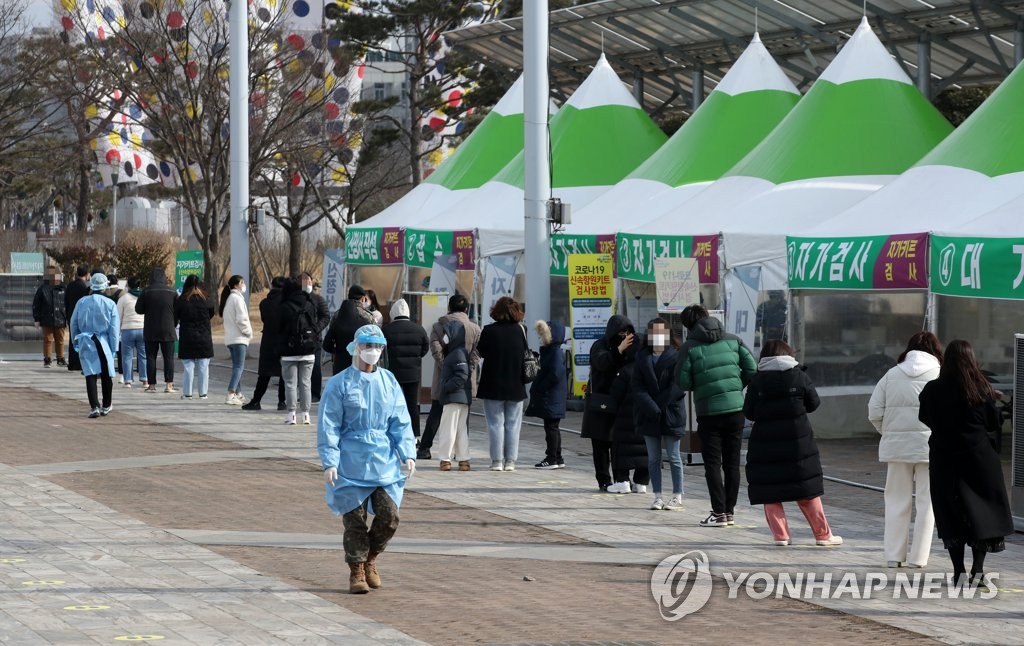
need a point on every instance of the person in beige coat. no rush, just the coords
(893, 410)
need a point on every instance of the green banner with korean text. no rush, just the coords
(565, 244)
(187, 263)
(380, 246)
(635, 254)
(858, 262)
(977, 267)
(421, 246)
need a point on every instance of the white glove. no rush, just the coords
(330, 475)
(410, 466)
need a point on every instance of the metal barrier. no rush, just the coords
(16, 294)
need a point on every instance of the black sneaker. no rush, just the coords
(729, 520)
(714, 520)
(46, 363)
(546, 463)
(62, 363)
(423, 454)
(94, 414)
(603, 488)
(252, 405)
(560, 463)
(282, 406)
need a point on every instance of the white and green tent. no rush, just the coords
(498, 138)
(861, 125)
(598, 137)
(747, 104)
(976, 169)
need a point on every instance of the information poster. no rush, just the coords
(187, 263)
(27, 263)
(499, 280)
(332, 284)
(678, 283)
(591, 304)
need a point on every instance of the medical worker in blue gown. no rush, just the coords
(95, 334)
(365, 438)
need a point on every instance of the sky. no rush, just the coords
(38, 13)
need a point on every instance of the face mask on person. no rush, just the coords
(308, 289)
(659, 341)
(241, 287)
(370, 356)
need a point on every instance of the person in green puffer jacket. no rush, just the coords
(717, 367)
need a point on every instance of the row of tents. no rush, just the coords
(846, 187)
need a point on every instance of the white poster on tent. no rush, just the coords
(332, 283)
(742, 285)
(677, 281)
(442, 275)
(499, 280)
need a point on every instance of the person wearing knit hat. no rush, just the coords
(367, 451)
(95, 333)
(407, 345)
(352, 314)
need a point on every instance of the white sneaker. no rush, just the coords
(658, 504)
(831, 541)
(305, 419)
(639, 488)
(782, 542)
(620, 487)
(675, 502)
(290, 420)
(241, 398)
(510, 465)
(231, 400)
(120, 379)
(497, 466)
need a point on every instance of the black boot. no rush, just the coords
(252, 405)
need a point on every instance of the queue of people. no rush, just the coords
(933, 410)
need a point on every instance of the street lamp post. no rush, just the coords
(113, 210)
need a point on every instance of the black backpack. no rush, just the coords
(302, 335)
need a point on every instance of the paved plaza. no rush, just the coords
(193, 522)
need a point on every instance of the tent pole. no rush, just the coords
(536, 161)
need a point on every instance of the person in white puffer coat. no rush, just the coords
(893, 409)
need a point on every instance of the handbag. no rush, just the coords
(531, 364)
(603, 403)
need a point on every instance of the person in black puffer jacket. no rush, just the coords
(548, 391)
(407, 345)
(351, 315)
(456, 396)
(658, 409)
(607, 356)
(192, 313)
(270, 359)
(49, 314)
(782, 458)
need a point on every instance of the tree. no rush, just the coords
(956, 104)
(169, 63)
(410, 32)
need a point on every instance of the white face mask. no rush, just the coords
(659, 340)
(241, 287)
(370, 356)
(308, 289)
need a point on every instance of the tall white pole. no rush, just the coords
(238, 154)
(113, 218)
(537, 165)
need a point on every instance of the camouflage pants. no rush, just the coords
(360, 540)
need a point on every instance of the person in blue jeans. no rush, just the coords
(192, 313)
(132, 341)
(237, 334)
(502, 346)
(658, 410)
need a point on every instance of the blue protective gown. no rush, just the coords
(364, 431)
(95, 315)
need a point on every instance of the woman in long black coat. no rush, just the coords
(658, 409)
(548, 391)
(192, 314)
(783, 464)
(629, 450)
(607, 356)
(968, 495)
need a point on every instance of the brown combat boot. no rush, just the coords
(370, 570)
(357, 579)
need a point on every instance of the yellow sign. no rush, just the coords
(591, 304)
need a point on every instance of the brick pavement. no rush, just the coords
(545, 505)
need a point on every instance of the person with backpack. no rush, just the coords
(548, 391)
(298, 342)
(456, 396)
